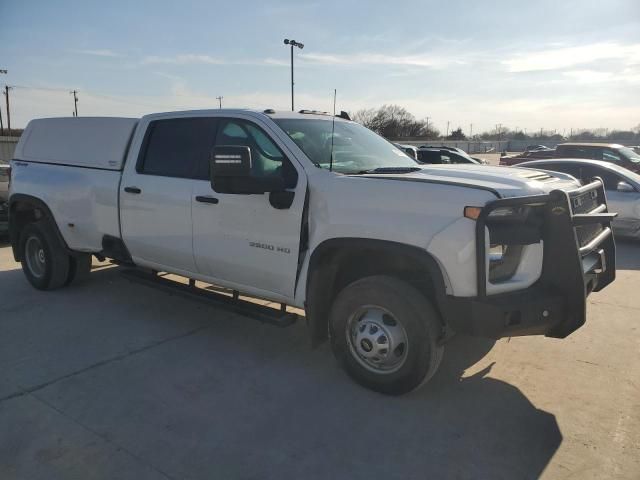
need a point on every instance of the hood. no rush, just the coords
(505, 181)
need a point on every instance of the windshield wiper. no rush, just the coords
(388, 170)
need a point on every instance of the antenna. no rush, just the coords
(333, 127)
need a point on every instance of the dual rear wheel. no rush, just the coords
(45, 260)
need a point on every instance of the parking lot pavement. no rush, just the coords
(113, 379)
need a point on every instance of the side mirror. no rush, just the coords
(230, 172)
(625, 187)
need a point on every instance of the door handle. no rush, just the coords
(204, 199)
(135, 190)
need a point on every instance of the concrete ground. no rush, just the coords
(117, 380)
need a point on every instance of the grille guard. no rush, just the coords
(570, 270)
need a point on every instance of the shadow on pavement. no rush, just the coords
(242, 399)
(627, 254)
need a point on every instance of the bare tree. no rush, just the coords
(365, 116)
(394, 121)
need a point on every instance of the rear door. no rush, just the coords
(244, 240)
(155, 197)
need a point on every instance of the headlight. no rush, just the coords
(511, 229)
(510, 214)
(506, 224)
(503, 261)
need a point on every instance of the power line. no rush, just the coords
(3, 71)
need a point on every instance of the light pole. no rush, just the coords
(220, 100)
(293, 43)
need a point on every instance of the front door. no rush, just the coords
(243, 240)
(155, 197)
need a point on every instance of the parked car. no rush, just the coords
(464, 154)
(608, 152)
(622, 187)
(437, 155)
(408, 149)
(537, 148)
(386, 258)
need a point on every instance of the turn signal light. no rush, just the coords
(472, 212)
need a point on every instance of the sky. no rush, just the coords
(557, 65)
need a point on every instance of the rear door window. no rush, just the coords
(576, 152)
(429, 156)
(178, 147)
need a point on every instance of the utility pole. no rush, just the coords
(471, 130)
(6, 94)
(75, 103)
(1, 124)
(220, 101)
(427, 128)
(447, 129)
(293, 43)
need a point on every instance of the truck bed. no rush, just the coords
(74, 165)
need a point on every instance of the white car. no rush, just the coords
(387, 257)
(622, 187)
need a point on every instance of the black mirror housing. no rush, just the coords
(230, 172)
(231, 161)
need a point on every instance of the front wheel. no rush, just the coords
(385, 334)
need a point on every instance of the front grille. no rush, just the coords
(585, 203)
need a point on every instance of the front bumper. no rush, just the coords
(578, 258)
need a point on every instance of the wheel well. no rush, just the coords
(337, 263)
(24, 210)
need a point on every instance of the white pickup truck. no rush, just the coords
(387, 258)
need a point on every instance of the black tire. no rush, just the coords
(53, 271)
(408, 308)
(79, 268)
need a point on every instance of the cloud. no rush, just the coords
(203, 59)
(183, 59)
(557, 58)
(98, 53)
(424, 60)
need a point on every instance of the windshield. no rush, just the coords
(355, 148)
(629, 154)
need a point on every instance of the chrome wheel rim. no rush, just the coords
(377, 339)
(34, 254)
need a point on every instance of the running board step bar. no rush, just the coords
(280, 318)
